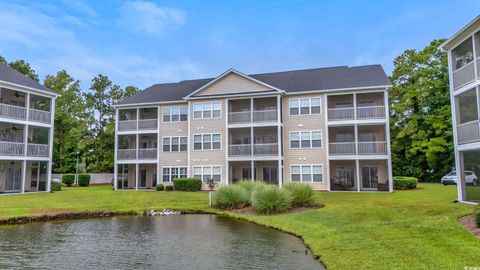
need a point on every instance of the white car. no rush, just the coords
(452, 179)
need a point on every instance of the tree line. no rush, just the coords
(420, 117)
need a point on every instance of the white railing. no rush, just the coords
(463, 75)
(127, 125)
(239, 117)
(11, 111)
(468, 132)
(263, 149)
(378, 147)
(127, 153)
(240, 150)
(39, 116)
(147, 153)
(371, 112)
(37, 150)
(341, 114)
(12, 148)
(342, 148)
(147, 124)
(265, 115)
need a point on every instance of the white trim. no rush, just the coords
(146, 104)
(20, 87)
(348, 89)
(170, 173)
(211, 141)
(179, 115)
(211, 171)
(50, 156)
(300, 140)
(448, 42)
(311, 173)
(170, 144)
(226, 73)
(309, 106)
(203, 111)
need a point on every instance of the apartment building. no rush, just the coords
(464, 71)
(327, 127)
(26, 133)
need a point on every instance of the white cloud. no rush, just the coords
(148, 18)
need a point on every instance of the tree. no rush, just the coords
(420, 117)
(24, 68)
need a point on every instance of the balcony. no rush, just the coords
(240, 150)
(253, 110)
(147, 124)
(262, 149)
(12, 148)
(127, 125)
(12, 111)
(372, 148)
(147, 119)
(39, 116)
(463, 63)
(342, 148)
(468, 132)
(361, 106)
(123, 154)
(147, 153)
(37, 150)
(338, 114)
(371, 140)
(263, 143)
(463, 75)
(371, 112)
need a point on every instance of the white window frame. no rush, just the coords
(170, 108)
(311, 173)
(170, 179)
(170, 143)
(310, 138)
(205, 104)
(202, 135)
(300, 107)
(211, 174)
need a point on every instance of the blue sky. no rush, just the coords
(145, 42)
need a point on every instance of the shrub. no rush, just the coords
(55, 186)
(187, 184)
(405, 182)
(271, 199)
(68, 179)
(302, 195)
(160, 187)
(168, 188)
(84, 180)
(230, 197)
(249, 186)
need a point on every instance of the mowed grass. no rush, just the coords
(402, 230)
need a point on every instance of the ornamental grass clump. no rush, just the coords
(271, 199)
(302, 195)
(249, 186)
(230, 197)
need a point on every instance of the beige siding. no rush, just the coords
(209, 125)
(233, 83)
(171, 129)
(304, 156)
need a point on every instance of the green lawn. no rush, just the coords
(402, 230)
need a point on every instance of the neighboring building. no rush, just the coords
(327, 127)
(26, 133)
(464, 70)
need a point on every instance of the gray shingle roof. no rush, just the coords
(10, 75)
(291, 81)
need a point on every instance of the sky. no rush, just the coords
(141, 43)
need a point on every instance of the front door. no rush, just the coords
(270, 175)
(14, 180)
(345, 177)
(370, 178)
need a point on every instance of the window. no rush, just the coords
(207, 110)
(206, 141)
(174, 144)
(170, 173)
(305, 139)
(208, 172)
(175, 114)
(304, 106)
(306, 173)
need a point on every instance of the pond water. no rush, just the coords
(162, 242)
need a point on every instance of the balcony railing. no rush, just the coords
(146, 124)
(147, 153)
(39, 116)
(336, 114)
(372, 148)
(37, 150)
(342, 148)
(127, 153)
(468, 132)
(240, 150)
(371, 112)
(127, 125)
(12, 148)
(11, 111)
(265, 149)
(463, 75)
(257, 116)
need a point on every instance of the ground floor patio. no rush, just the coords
(21, 176)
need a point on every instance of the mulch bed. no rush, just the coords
(250, 211)
(468, 222)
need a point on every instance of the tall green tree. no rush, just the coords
(420, 117)
(22, 67)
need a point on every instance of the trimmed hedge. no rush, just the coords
(169, 188)
(84, 180)
(160, 187)
(302, 194)
(405, 182)
(230, 197)
(68, 179)
(55, 186)
(187, 184)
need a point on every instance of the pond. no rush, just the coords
(160, 242)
